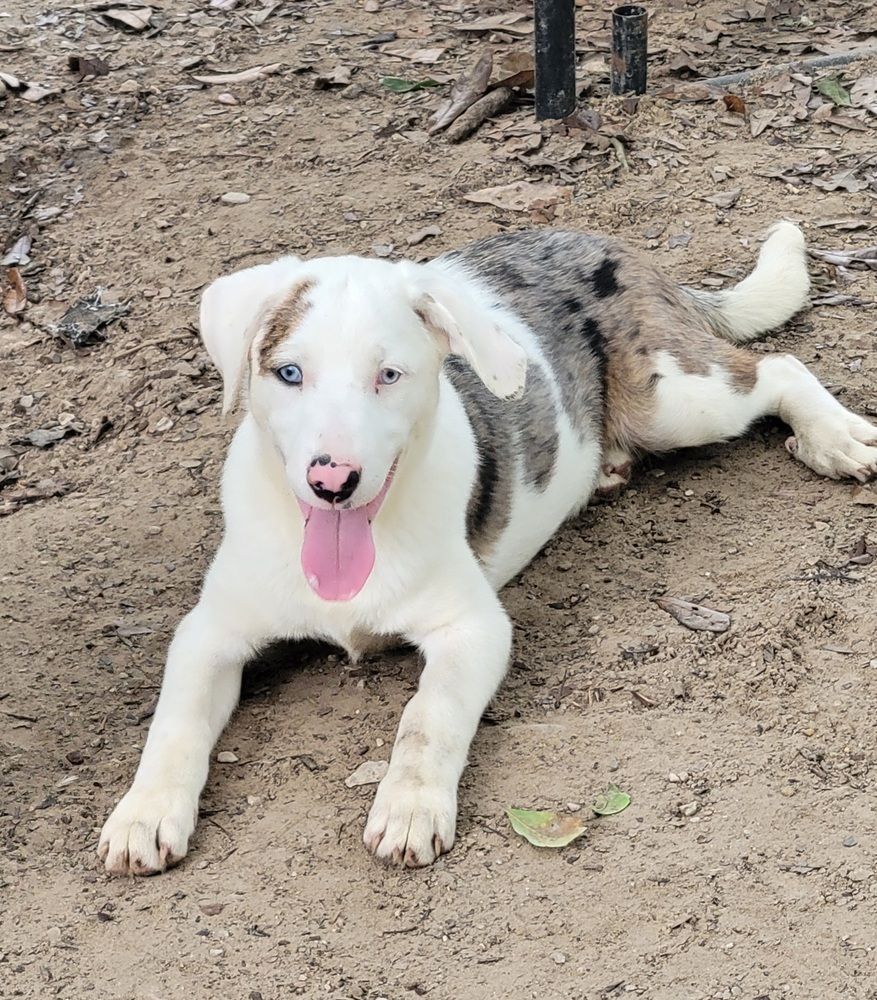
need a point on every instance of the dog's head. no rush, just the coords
(339, 360)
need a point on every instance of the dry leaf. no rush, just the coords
(735, 104)
(369, 772)
(725, 199)
(521, 196)
(467, 89)
(694, 616)
(245, 76)
(15, 296)
(425, 56)
(863, 93)
(136, 19)
(545, 829)
(18, 256)
(513, 23)
(422, 234)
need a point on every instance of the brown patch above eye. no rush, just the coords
(282, 322)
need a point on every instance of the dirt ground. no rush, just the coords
(745, 866)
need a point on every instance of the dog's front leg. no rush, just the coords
(413, 818)
(150, 827)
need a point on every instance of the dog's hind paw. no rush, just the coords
(148, 831)
(843, 448)
(410, 823)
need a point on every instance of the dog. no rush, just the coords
(413, 435)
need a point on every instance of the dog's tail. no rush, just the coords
(777, 288)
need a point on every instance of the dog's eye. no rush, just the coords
(291, 374)
(387, 376)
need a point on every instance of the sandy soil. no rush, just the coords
(745, 866)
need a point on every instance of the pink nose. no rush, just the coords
(333, 481)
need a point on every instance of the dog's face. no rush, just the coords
(341, 359)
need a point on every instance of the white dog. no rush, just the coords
(414, 435)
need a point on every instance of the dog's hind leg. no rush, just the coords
(739, 388)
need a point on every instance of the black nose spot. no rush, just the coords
(346, 491)
(322, 460)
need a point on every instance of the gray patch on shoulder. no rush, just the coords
(562, 285)
(535, 421)
(489, 508)
(511, 435)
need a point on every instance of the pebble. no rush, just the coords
(558, 957)
(788, 791)
(228, 99)
(129, 87)
(227, 757)
(848, 841)
(677, 778)
(859, 874)
(689, 808)
(235, 198)
(573, 807)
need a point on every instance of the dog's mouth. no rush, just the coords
(338, 551)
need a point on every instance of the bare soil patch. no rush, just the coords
(745, 866)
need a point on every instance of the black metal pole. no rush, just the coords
(555, 50)
(629, 50)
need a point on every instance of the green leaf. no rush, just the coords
(545, 829)
(834, 90)
(406, 86)
(612, 801)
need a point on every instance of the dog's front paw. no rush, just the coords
(411, 822)
(148, 831)
(843, 447)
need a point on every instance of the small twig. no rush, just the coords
(817, 62)
(493, 102)
(153, 343)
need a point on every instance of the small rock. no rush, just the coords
(859, 874)
(228, 99)
(689, 808)
(677, 777)
(235, 198)
(129, 87)
(850, 842)
(75, 757)
(788, 791)
(227, 757)
(211, 909)
(558, 957)
(573, 807)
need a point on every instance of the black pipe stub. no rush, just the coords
(629, 49)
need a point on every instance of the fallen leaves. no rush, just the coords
(467, 89)
(697, 617)
(83, 323)
(15, 293)
(521, 196)
(244, 76)
(547, 828)
(369, 772)
(610, 802)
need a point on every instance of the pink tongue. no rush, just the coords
(338, 553)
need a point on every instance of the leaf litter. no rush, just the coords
(548, 828)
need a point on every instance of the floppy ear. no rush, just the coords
(454, 311)
(232, 310)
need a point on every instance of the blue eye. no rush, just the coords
(291, 374)
(388, 376)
